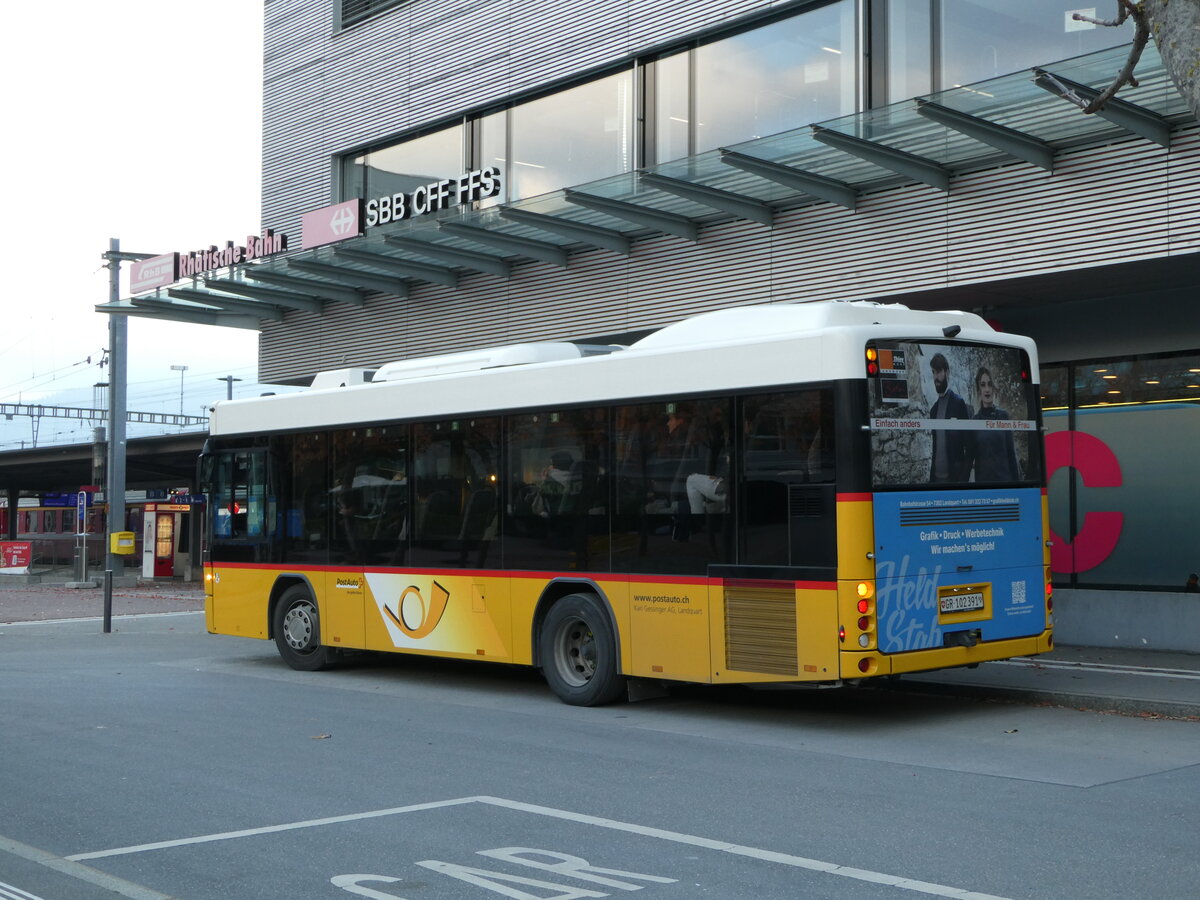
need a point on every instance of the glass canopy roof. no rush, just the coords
(1017, 118)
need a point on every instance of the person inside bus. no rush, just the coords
(951, 449)
(705, 468)
(555, 490)
(665, 447)
(995, 451)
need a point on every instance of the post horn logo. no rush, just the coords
(413, 615)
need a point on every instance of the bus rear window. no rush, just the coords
(954, 414)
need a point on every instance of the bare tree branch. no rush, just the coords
(1063, 91)
(1123, 10)
(1126, 9)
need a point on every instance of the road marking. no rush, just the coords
(799, 862)
(269, 829)
(78, 871)
(8, 892)
(786, 859)
(162, 615)
(1148, 671)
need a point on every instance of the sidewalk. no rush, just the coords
(39, 602)
(1130, 682)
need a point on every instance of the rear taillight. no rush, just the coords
(866, 608)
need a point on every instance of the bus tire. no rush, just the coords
(297, 631)
(578, 652)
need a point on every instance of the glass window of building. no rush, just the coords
(353, 11)
(577, 135)
(406, 166)
(775, 78)
(984, 38)
(492, 131)
(909, 28)
(1117, 456)
(672, 105)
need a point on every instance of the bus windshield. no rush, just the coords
(953, 414)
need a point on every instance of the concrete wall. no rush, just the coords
(1142, 620)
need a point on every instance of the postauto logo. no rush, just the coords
(413, 613)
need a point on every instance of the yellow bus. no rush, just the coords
(808, 493)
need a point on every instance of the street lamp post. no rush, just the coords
(229, 380)
(180, 370)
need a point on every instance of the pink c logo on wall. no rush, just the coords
(1098, 467)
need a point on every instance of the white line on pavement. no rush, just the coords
(800, 862)
(8, 892)
(109, 883)
(269, 829)
(1115, 669)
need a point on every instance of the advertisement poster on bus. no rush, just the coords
(957, 561)
(945, 413)
(955, 461)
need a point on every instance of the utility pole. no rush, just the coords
(118, 336)
(229, 380)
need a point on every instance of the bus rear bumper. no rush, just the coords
(867, 664)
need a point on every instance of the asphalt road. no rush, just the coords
(160, 761)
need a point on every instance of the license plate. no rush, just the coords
(961, 602)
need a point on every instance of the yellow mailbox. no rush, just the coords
(122, 542)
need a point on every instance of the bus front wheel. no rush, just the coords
(297, 630)
(578, 652)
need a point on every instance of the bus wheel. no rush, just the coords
(297, 630)
(579, 652)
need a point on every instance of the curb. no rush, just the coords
(1125, 706)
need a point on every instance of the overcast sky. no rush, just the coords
(139, 120)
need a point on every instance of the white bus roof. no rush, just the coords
(732, 349)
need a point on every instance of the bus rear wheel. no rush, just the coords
(297, 631)
(578, 652)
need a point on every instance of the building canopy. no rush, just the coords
(1021, 118)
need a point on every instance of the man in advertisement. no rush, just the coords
(951, 449)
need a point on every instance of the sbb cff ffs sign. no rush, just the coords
(466, 188)
(349, 219)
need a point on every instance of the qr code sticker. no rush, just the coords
(1018, 592)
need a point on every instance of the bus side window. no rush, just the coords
(456, 472)
(786, 479)
(556, 509)
(673, 492)
(241, 495)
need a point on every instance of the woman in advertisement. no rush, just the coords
(995, 453)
